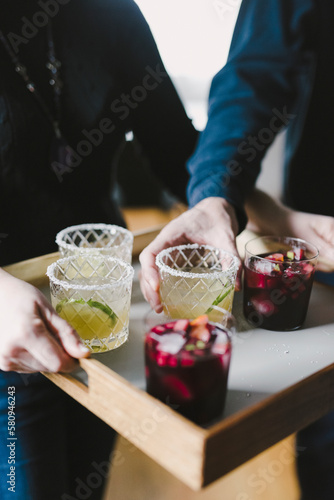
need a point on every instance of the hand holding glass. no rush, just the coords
(194, 278)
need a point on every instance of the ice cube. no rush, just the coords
(171, 343)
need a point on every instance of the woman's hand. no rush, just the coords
(32, 336)
(268, 216)
(210, 222)
(317, 229)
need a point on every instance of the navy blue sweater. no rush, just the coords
(279, 73)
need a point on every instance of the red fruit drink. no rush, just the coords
(187, 365)
(277, 288)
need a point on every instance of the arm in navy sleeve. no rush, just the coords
(252, 98)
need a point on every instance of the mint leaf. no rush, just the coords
(218, 300)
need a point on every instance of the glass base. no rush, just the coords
(108, 343)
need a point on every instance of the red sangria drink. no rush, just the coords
(187, 364)
(278, 278)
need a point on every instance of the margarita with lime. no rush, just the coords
(93, 295)
(188, 297)
(97, 324)
(194, 279)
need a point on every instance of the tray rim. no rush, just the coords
(201, 453)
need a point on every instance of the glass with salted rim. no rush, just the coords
(93, 293)
(278, 278)
(187, 363)
(107, 239)
(194, 278)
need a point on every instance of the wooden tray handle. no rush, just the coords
(70, 384)
(95, 371)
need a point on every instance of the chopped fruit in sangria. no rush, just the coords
(277, 288)
(187, 365)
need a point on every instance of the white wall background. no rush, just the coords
(193, 37)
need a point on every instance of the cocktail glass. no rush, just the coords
(278, 278)
(194, 278)
(107, 239)
(93, 293)
(187, 364)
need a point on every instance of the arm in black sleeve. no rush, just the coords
(252, 97)
(152, 106)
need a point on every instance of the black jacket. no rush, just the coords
(114, 81)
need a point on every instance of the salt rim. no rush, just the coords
(50, 274)
(214, 274)
(88, 227)
(283, 239)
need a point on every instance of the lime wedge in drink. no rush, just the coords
(89, 318)
(222, 296)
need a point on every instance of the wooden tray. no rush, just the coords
(279, 382)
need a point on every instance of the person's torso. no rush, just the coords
(309, 182)
(37, 194)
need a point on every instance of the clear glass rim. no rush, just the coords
(229, 330)
(150, 321)
(185, 274)
(283, 239)
(105, 286)
(128, 236)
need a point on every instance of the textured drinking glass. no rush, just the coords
(278, 278)
(92, 293)
(107, 239)
(194, 278)
(187, 364)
